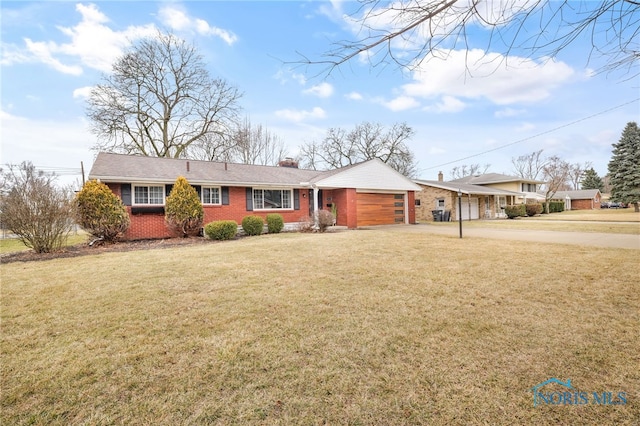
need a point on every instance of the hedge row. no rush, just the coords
(251, 225)
(555, 207)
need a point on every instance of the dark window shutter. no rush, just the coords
(167, 189)
(296, 199)
(249, 199)
(198, 189)
(225, 195)
(125, 193)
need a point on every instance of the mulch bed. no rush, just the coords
(84, 249)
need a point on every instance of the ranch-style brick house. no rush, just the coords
(363, 194)
(483, 196)
(581, 199)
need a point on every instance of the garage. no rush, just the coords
(380, 209)
(470, 209)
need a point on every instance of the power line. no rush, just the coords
(534, 136)
(53, 170)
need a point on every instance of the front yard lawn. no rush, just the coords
(358, 327)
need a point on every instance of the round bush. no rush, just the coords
(221, 229)
(252, 225)
(275, 223)
(183, 210)
(533, 209)
(325, 219)
(100, 212)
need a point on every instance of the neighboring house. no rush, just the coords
(527, 188)
(367, 193)
(483, 196)
(582, 199)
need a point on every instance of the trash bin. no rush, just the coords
(447, 215)
(437, 215)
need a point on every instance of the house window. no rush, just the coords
(440, 203)
(267, 199)
(210, 195)
(502, 202)
(528, 187)
(152, 195)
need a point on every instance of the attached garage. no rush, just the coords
(470, 209)
(380, 209)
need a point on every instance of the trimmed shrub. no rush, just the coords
(533, 209)
(252, 225)
(221, 229)
(183, 210)
(275, 223)
(515, 211)
(554, 207)
(100, 212)
(325, 219)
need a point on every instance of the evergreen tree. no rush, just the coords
(591, 180)
(100, 212)
(624, 167)
(184, 213)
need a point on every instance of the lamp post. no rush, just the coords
(460, 211)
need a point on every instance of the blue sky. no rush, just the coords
(53, 52)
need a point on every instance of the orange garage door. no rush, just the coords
(380, 209)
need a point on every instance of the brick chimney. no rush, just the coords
(440, 177)
(288, 162)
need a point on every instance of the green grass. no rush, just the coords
(360, 327)
(11, 245)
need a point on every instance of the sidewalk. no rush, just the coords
(594, 239)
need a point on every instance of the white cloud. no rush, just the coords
(298, 116)
(322, 90)
(178, 20)
(284, 76)
(42, 52)
(401, 103)
(92, 44)
(82, 92)
(448, 104)
(508, 112)
(476, 74)
(354, 96)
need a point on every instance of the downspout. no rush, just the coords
(406, 210)
(315, 206)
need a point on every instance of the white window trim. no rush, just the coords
(133, 194)
(219, 188)
(291, 200)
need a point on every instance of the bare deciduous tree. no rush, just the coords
(256, 145)
(159, 100)
(409, 32)
(529, 166)
(576, 174)
(555, 174)
(458, 172)
(365, 142)
(34, 209)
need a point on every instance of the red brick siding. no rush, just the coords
(584, 204)
(411, 201)
(146, 225)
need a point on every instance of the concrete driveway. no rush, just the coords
(594, 239)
